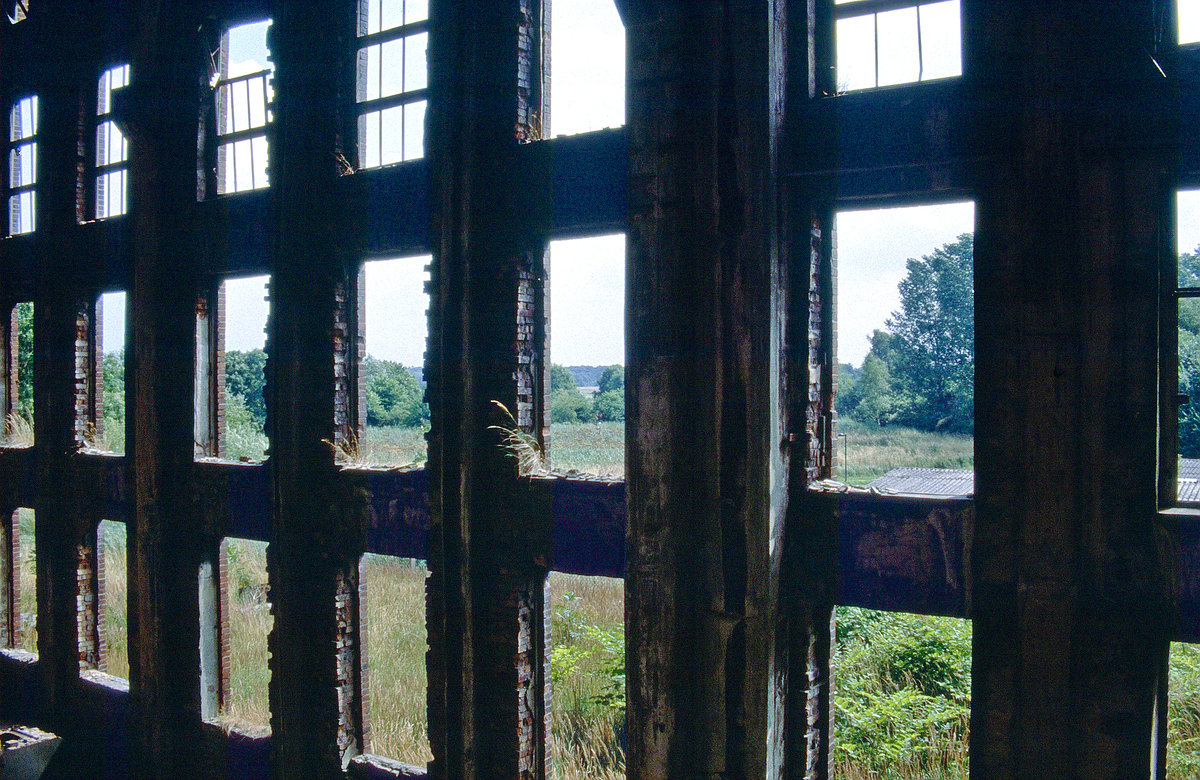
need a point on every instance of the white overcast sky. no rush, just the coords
(587, 275)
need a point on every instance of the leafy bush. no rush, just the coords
(245, 376)
(394, 396)
(903, 693)
(613, 378)
(610, 405)
(569, 406)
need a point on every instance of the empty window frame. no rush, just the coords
(1184, 295)
(392, 80)
(1188, 20)
(906, 349)
(17, 403)
(230, 405)
(243, 93)
(587, 55)
(24, 586)
(22, 166)
(396, 642)
(113, 597)
(236, 618)
(587, 675)
(110, 327)
(885, 42)
(112, 148)
(587, 349)
(393, 411)
(903, 696)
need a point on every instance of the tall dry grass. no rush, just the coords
(591, 448)
(112, 538)
(28, 600)
(396, 643)
(866, 453)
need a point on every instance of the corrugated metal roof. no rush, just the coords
(929, 482)
(1188, 490)
(961, 482)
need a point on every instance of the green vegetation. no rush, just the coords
(394, 396)
(25, 360)
(598, 448)
(920, 372)
(867, 452)
(569, 405)
(1189, 357)
(902, 697)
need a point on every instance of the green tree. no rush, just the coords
(25, 359)
(612, 379)
(874, 390)
(561, 378)
(610, 405)
(1189, 357)
(567, 403)
(112, 370)
(931, 349)
(394, 396)
(245, 377)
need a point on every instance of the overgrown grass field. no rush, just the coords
(865, 453)
(902, 682)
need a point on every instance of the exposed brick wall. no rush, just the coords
(530, 55)
(818, 417)
(11, 351)
(217, 334)
(84, 377)
(86, 604)
(359, 348)
(96, 354)
(528, 350)
(346, 662)
(345, 345)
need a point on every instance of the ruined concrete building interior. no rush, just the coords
(152, 167)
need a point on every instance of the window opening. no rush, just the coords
(1188, 18)
(587, 375)
(18, 421)
(392, 80)
(395, 414)
(1183, 712)
(880, 44)
(112, 372)
(240, 340)
(22, 166)
(114, 600)
(905, 398)
(244, 93)
(26, 581)
(112, 147)
(246, 616)
(587, 56)
(587, 675)
(903, 696)
(396, 645)
(1186, 293)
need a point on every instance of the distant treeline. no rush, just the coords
(587, 376)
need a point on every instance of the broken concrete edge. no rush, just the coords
(372, 767)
